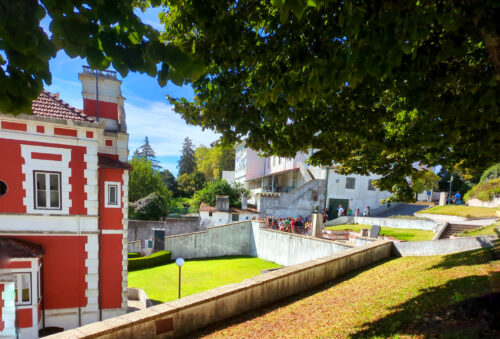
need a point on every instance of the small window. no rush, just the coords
(23, 288)
(210, 214)
(235, 217)
(48, 190)
(3, 188)
(370, 185)
(350, 183)
(112, 194)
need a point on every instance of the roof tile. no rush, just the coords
(50, 106)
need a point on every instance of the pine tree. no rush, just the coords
(187, 162)
(146, 152)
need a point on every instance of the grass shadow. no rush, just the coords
(280, 303)
(468, 258)
(419, 316)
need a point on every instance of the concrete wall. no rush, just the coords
(492, 203)
(300, 201)
(443, 246)
(196, 311)
(143, 230)
(397, 223)
(217, 241)
(289, 249)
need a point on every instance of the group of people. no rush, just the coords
(455, 200)
(348, 212)
(297, 225)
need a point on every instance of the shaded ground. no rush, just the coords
(393, 299)
(401, 210)
(463, 211)
(396, 233)
(198, 275)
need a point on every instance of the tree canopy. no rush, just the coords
(374, 86)
(187, 162)
(144, 180)
(146, 152)
(106, 33)
(211, 161)
(211, 189)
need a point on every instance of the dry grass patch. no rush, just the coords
(385, 300)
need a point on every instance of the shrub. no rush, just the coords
(151, 207)
(211, 189)
(484, 191)
(134, 255)
(492, 172)
(155, 259)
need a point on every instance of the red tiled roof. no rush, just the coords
(206, 208)
(50, 106)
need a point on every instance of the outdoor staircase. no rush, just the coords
(456, 229)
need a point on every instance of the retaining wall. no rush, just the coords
(397, 223)
(216, 241)
(289, 249)
(196, 311)
(143, 229)
(443, 246)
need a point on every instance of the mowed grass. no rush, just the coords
(390, 299)
(198, 275)
(397, 233)
(462, 211)
(487, 230)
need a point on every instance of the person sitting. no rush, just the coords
(349, 212)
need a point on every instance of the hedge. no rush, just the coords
(155, 259)
(134, 255)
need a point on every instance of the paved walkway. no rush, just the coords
(402, 209)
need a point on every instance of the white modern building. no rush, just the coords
(285, 187)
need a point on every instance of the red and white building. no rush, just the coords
(63, 211)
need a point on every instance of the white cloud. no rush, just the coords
(165, 129)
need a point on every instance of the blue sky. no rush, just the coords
(147, 109)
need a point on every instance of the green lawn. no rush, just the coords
(462, 211)
(397, 233)
(487, 230)
(198, 275)
(394, 299)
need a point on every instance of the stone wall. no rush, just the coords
(300, 201)
(143, 230)
(443, 246)
(187, 314)
(290, 249)
(216, 241)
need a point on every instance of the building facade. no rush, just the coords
(285, 187)
(63, 210)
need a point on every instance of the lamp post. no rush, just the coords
(179, 262)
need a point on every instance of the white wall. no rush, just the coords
(360, 196)
(222, 218)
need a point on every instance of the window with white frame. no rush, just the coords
(23, 288)
(350, 183)
(47, 190)
(370, 185)
(112, 194)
